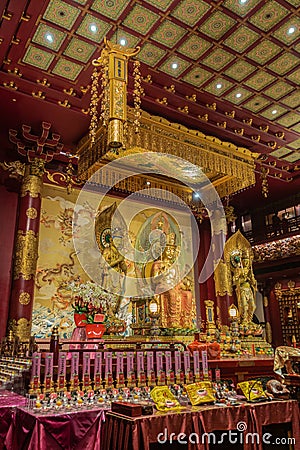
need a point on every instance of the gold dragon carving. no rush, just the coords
(26, 254)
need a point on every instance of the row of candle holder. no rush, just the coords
(142, 369)
(75, 400)
(224, 394)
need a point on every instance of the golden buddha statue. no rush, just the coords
(245, 284)
(175, 294)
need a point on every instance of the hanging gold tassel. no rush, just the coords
(264, 182)
(138, 91)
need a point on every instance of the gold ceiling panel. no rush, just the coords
(243, 57)
(188, 28)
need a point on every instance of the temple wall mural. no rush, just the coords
(57, 264)
(58, 267)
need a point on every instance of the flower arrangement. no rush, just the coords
(90, 298)
(79, 306)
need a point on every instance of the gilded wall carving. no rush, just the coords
(283, 248)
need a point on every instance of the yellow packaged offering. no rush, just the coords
(164, 399)
(201, 392)
(252, 390)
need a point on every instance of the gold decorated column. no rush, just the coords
(38, 149)
(26, 250)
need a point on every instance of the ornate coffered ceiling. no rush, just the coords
(228, 68)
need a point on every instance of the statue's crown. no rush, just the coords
(171, 239)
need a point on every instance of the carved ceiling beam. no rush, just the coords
(37, 146)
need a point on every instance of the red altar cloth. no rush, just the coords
(8, 401)
(285, 412)
(124, 433)
(78, 430)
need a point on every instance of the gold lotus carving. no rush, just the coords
(31, 213)
(24, 298)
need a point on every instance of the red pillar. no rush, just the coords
(223, 299)
(201, 264)
(26, 250)
(223, 304)
(39, 149)
(207, 289)
(9, 206)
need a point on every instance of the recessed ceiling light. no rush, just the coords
(49, 37)
(174, 65)
(93, 28)
(274, 111)
(218, 86)
(291, 30)
(123, 41)
(14, 99)
(238, 95)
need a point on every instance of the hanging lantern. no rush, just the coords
(112, 69)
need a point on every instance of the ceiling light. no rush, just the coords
(291, 30)
(274, 111)
(238, 95)
(243, 1)
(174, 65)
(218, 86)
(93, 28)
(49, 37)
(123, 41)
(14, 99)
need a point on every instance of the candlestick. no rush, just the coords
(98, 371)
(48, 380)
(35, 382)
(74, 371)
(62, 370)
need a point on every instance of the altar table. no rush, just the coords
(125, 433)
(8, 402)
(76, 430)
